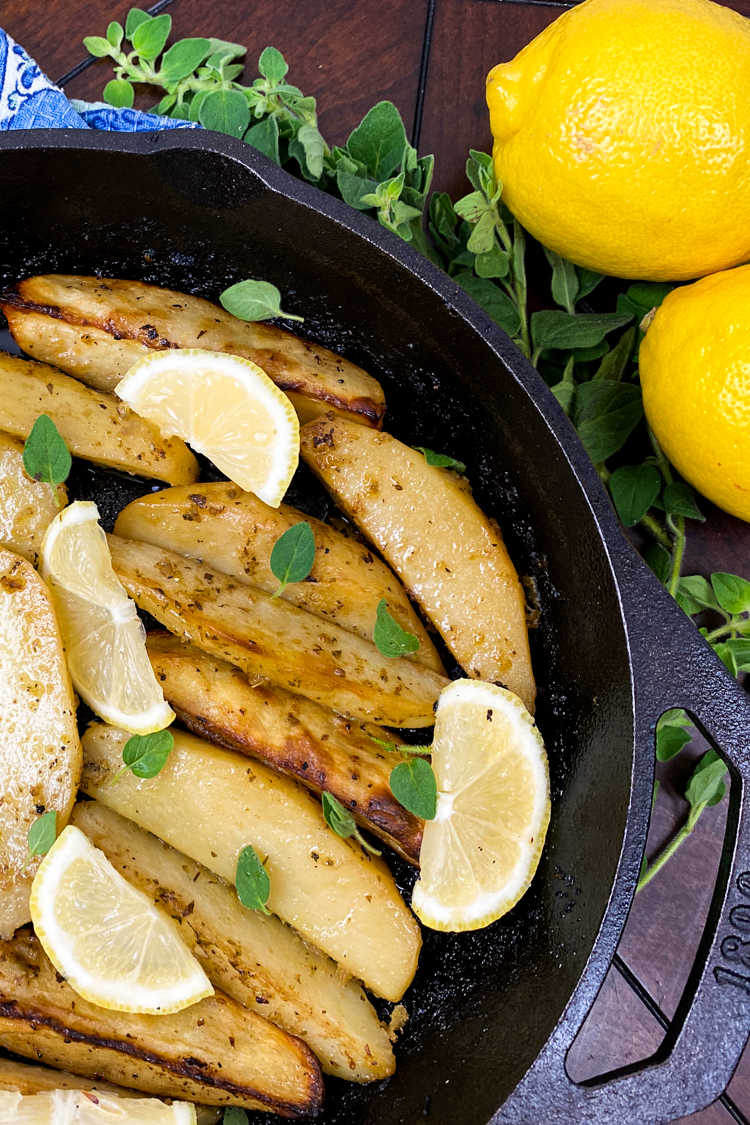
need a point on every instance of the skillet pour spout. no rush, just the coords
(492, 1013)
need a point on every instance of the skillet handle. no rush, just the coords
(673, 667)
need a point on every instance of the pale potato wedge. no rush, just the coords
(252, 957)
(26, 1078)
(291, 734)
(210, 803)
(215, 1051)
(27, 506)
(96, 328)
(95, 426)
(40, 763)
(274, 640)
(235, 532)
(448, 554)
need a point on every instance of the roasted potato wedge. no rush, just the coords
(29, 1079)
(25, 1078)
(96, 328)
(274, 640)
(40, 763)
(95, 426)
(448, 554)
(291, 734)
(27, 506)
(252, 957)
(235, 532)
(209, 803)
(215, 1051)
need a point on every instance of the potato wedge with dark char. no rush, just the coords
(274, 640)
(40, 762)
(27, 507)
(96, 328)
(210, 803)
(235, 532)
(252, 957)
(215, 1051)
(448, 554)
(95, 426)
(289, 733)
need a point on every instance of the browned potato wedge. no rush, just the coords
(95, 426)
(27, 506)
(40, 763)
(291, 734)
(274, 640)
(25, 1078)
(209, 803)
(235, 532)
(96, 328)
(215, 1051)
(252, 957)
(448, 554)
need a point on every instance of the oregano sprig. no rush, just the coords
(42, 833)
(340, 820)
(251, 880)
(45, 455)
(145, 755)
(389, 637)
(293, 555)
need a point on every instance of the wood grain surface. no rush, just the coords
(430, 57)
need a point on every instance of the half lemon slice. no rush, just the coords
(225, 407)
(109, 941)
(90, 1107)
(105, 642)
(480, 853)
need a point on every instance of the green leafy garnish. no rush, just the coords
(673, 732)
(42, 833)
(251, 880)
(390, 639)
(254, 300)
(233, 1115)
(413, 785)
(340, 820)
(45, 454)
(634, 490)
(145, 755)
(441, 460)
(293, 555)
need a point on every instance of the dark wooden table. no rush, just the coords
(430, 57)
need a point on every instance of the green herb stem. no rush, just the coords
(678, 552)
(669, 850)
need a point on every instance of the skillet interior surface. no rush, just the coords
(483, 1004)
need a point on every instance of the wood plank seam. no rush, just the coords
(663, 1020)
(424, 63)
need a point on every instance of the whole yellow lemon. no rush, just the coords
(695, 375)
(621, 137)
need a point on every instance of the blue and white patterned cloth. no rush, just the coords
(28, 100)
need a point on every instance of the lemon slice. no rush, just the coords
(108, 940)
(225, 407)
(480, 853)
(105, 642)
(90, 1107)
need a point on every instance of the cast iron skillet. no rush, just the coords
(493, 1013)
